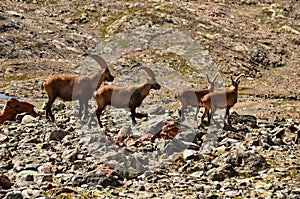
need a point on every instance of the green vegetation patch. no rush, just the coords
(277, 103)
(181, 65)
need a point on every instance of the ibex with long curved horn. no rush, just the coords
(191, 97)
(226, 99)
(124, 97)
(71, 88)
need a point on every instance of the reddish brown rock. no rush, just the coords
(168, 131)
(5, 182)
(125, 140)
(104, 169)
(14, 107)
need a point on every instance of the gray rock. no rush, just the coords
(70, 155)
(228, 141)
(58, 107)
(28, 177)
(156, 111)
(207, 148)
(56, 135)
(222, 172)
(3, 138)
(187, 135)
(14, 195)
(175, 146)
(249, 161)
(125, 130)
(29, 193)
(152, 126)
(187, 153)
(93, 179)
(28, 119)
(20, 116)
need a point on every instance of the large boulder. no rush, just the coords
(14, 107)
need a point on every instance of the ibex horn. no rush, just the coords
(215, 78)
(238, 77)
(99, 60)
(149, 72)
(207, 77)
(213, 81)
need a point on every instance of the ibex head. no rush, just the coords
(236, 82)
(106, 73)
(151, 78)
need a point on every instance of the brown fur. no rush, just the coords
(14, 107)
(123, 97)
(189, 97)
(213, 101)
(71, 88)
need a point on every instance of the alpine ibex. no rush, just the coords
(190, 97)
(124, 97)
(213, 101)
(71, 88)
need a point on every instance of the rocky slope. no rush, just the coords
(65, 159)
(180, 41)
